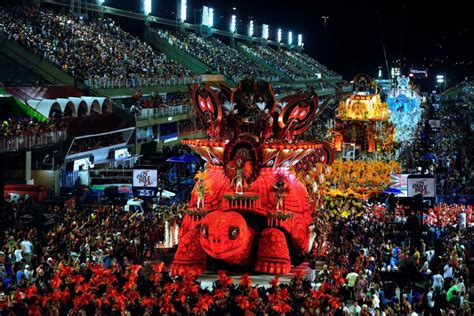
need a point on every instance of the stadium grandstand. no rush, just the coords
(97, 51)
(281, 62)
(218, 56)
(79, 92)
(139, 79)
(307, 61)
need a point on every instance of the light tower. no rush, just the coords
(325, 19)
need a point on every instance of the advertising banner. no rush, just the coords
(421, 184)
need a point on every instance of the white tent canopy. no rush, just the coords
(93, 104)
(80, 105)
(166, 194)
(105, 104)
(67, 107)
(72, 106)
(45, 107)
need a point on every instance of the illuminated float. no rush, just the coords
(363, 137)
(248, 208)
(404, 101)
(362, 122)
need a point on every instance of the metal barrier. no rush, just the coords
(27, 142)
(137, 83)
(147, 114)
(269, 79)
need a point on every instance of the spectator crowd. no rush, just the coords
(311, 63)
(217, 56)
(91, 143)
(23, 133)
(398, 269)
(282, 62)
(444, 149)
(104, 260)
(95, 50)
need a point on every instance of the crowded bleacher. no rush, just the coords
(311, 63)
(282, 62)
(454, 151)
(217, 55)
(97, 51)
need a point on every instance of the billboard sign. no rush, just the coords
(418, 73)
(421, 184)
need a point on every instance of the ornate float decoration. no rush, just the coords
(249, 208)
(362, 120)
(404, 101)
(362, 125)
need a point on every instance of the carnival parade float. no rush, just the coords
(363, 138)
(249, 208)
(404, 101)
(362, 121)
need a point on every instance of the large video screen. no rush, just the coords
(145, 182)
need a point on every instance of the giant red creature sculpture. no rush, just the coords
(256, 213)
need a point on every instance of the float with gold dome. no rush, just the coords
(364, 139)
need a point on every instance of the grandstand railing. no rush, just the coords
(324, 90)
(269, 79)
(27, 142)
(137, 83)
(147, 114)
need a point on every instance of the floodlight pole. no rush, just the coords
(325, 18)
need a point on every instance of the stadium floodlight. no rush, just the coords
(439, 78)
(251, 28)
(279, 36)
(233, 22)
(210, 21)
(290, 38)
(100, 2)
(147, 7)
(182, 10)
(300, 40)
(205, 16)
(265, 31)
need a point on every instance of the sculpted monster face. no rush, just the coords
(224, 234)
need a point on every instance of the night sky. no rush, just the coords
(416, 32)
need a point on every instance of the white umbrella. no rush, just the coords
(166, 194)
